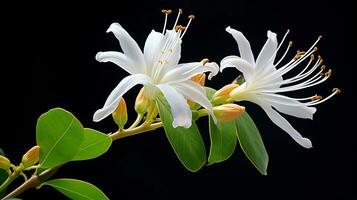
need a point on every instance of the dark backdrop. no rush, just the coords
(47, 61)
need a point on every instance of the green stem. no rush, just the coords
(17, 172)
(137, 121)
(36, 180)
(134, 131)
(33, 182)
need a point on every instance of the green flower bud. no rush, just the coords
(31, 157)
(4, 163)
(120, 115)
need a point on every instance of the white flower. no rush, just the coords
(263, 81)
(158, 70)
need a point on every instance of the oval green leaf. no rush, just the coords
(76, 189)
(252, 143)
(187, 143)
(95, 143)
(59, 135)
(223, 140)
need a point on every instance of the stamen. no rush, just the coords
(191, 17)
(205, 61)
(177, 18)
(166, 12)
(290, 43)
(323, 67)
(328, 73)
(299, 54)
(180, 28)
(336, 90)
(312, 57)
(316, 98)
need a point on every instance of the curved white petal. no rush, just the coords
(239, 63)
(129, 46)
(179, 108)
(117, 58)
(194, 92)
(113, 100)
(289, 106)
(187, 70)
(245, 50)
(153, 45)
(280, 121)
(267, 54)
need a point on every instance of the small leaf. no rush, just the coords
(95, 144)
(59, 135)
(223, 141)
(210, 92)
(76, 189)
(187, 143)
(252, 143)
(3, 175)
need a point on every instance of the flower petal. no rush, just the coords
(179, 108)
(267, 54)
(194, 92)
(113, 100)
(289, 106)
(129, 46)
(239, 63)
(153, 45)
(117, 58)
(245, 50)
(185, 71)
(280, 121)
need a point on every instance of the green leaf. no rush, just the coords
(209, 92)
(95, 144)
(76, 189)
(252, 143)
(59, 135)
(223, 140)
(187, 143)
(3, 175)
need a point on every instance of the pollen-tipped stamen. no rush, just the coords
(191, 17)
(177, 18)
(166, 12)
(334, 92)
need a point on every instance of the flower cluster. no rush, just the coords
(157, 68)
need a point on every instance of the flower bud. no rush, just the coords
(31, 157)
(228, 112)
(120, 115)
(200, 79)
(142, 103)
(4, 163)
(222, 95)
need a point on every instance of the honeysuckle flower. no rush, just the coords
(158, 70)
(264, 81)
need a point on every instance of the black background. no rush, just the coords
(47, 61)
